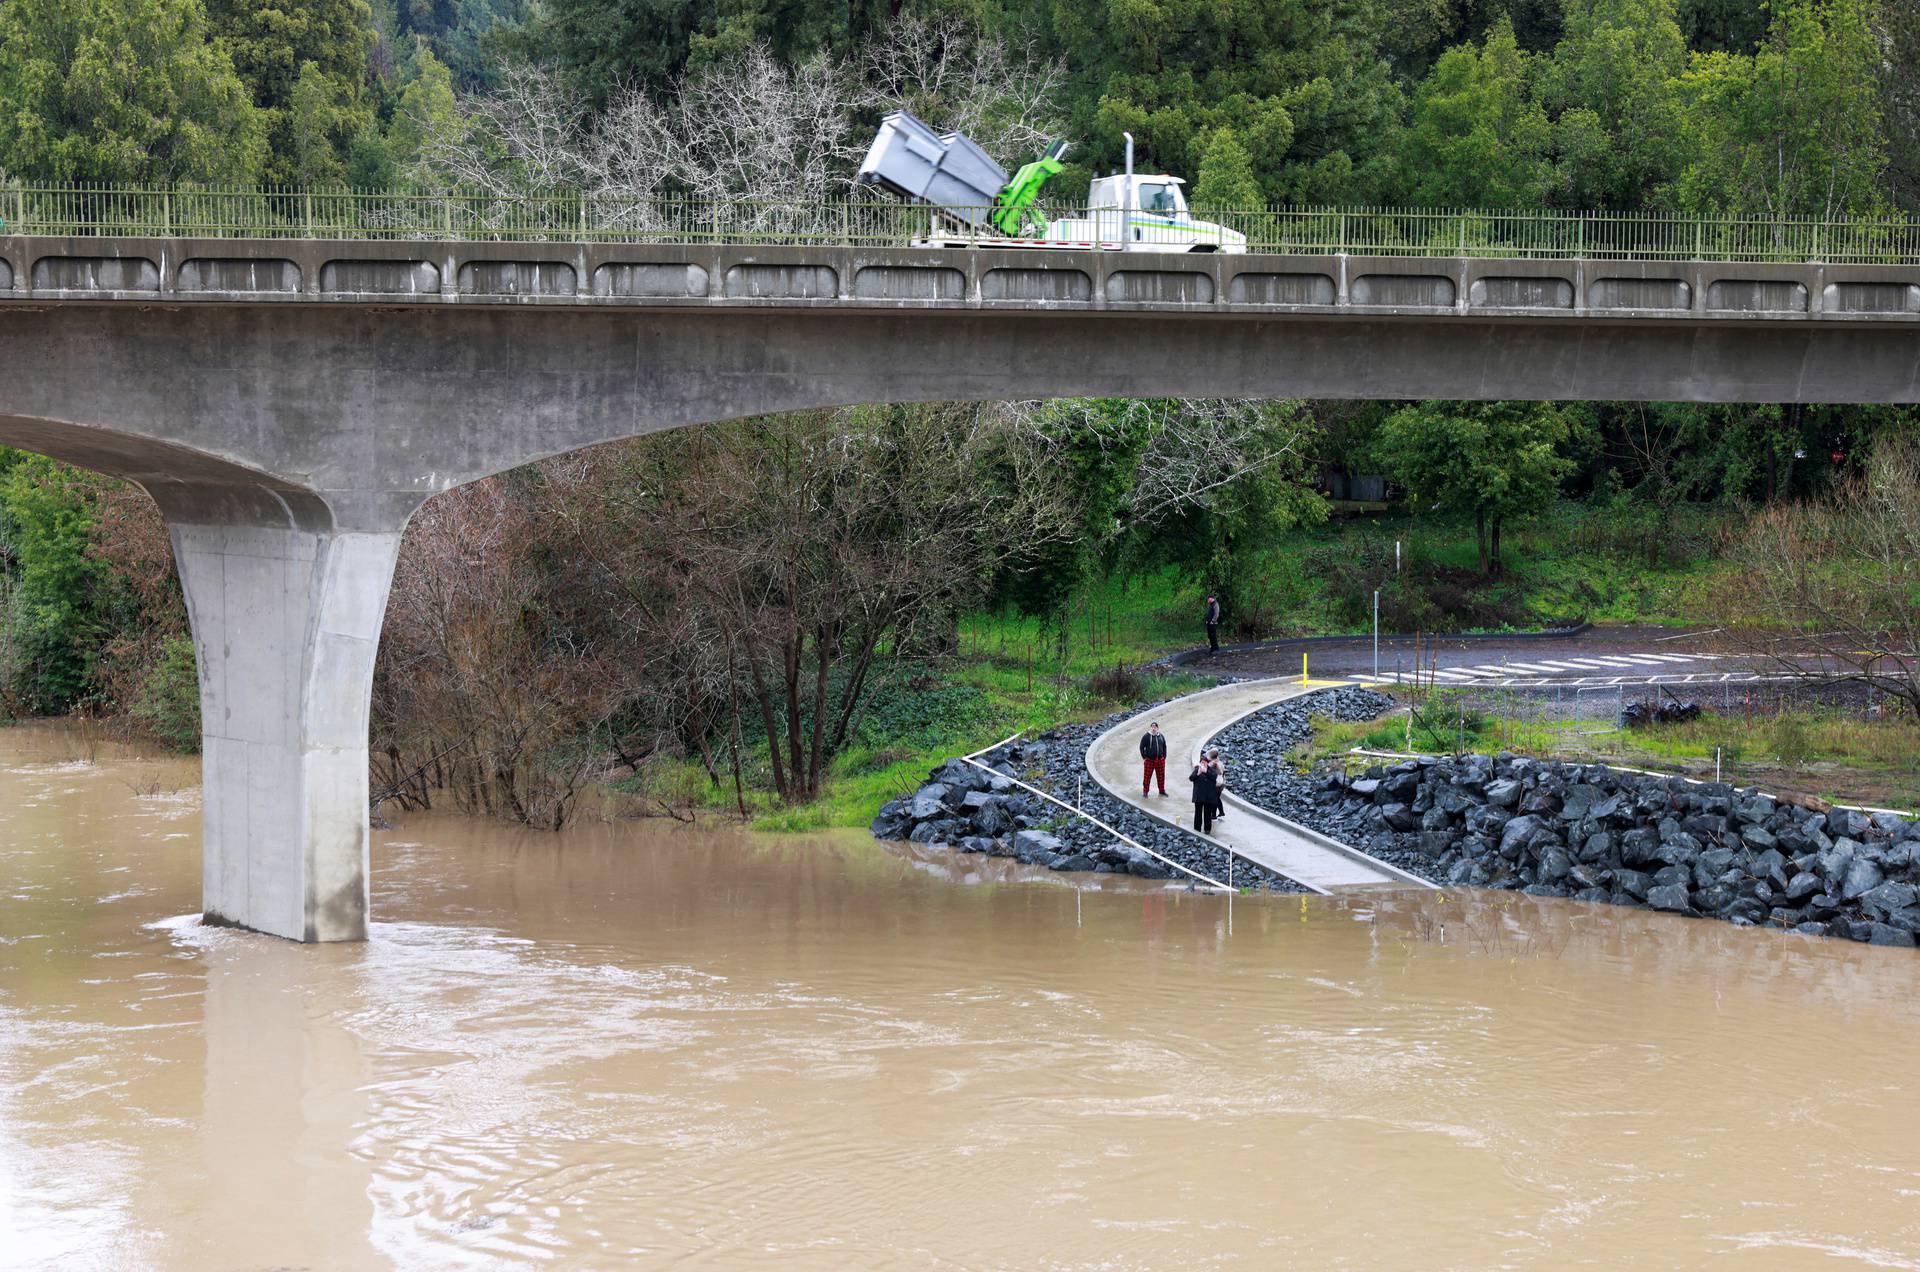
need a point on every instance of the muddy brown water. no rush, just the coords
(643, 1044)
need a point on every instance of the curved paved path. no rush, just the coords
(1253, 833)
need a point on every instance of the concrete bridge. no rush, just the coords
(289, 403)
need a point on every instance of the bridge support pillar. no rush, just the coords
(285, 623)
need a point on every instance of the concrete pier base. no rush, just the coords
(286, 623)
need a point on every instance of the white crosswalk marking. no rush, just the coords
(1623, 670)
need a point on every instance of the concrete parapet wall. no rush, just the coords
(587, 275)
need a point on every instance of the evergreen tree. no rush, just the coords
(602, 45)
(1900, 99)
(306, 61)
(1613, 82)
(122, 91)
(1478, 137)
(1300, 82)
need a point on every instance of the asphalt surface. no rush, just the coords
(1597, 657)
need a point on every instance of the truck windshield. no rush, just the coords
(1159, 198)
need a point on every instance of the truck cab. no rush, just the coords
(1142, 212)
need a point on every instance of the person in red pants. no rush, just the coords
(1153, 759)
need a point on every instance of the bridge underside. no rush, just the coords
(288, 444)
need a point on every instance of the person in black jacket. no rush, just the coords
(1213, 624)
(1218, 763)
(1204, 790)
(1153, 759)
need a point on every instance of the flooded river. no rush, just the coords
(653, 1044)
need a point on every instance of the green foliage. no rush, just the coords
(46, 515)
(460, 34)
(1793, 129)
(1612, 83)
(649, 43)
(306, 63)
(1490, 461)
(1225, 177)
(1478, 138)
(921, 713)
(169, 700)
(122, 91)
(1301, 83)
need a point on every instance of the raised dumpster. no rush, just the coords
(945, 169)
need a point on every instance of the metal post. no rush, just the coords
(1716, 763)
(1376, 634)
(1396, 556)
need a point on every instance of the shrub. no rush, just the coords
(168, 704)
(1116, 684)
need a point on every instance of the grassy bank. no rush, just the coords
(1831, 753)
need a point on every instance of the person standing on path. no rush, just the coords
(1205, 790)
(1153, 759)
(1213, 624)
(1218, 763)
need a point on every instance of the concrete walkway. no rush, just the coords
(1255, 834)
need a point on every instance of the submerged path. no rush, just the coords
(1265, 838)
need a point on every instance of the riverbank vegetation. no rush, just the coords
(792, 616)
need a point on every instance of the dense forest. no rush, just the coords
(759, 603)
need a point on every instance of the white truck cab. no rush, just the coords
(1144, 213)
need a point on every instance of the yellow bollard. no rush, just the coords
(1303, 666)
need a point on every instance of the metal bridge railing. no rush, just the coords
(597, 217)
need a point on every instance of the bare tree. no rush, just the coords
(495, 681)
(1829, 591)
(531, 135)
(807, 555)
(767, 145)
(954, 75)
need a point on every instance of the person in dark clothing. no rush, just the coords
(1153, 759)
(1213, 624)
(1204, 791)
(1218, 763)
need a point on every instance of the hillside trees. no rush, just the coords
(1612, 85)
(1478, 137)
(1302, 83)
(306, 63)
(1793, 129)
(122, 91)
(1900, 99)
